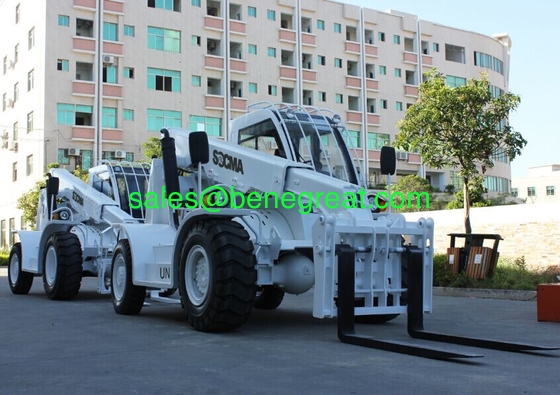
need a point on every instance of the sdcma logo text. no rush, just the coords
(227, 161)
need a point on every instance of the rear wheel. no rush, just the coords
(62, 274)
(217, 276)
(20, 281)
(128, 299)
(268, 297)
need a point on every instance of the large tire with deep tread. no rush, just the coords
(62, 274)
(20, 281)
(128, 299)
(268, 297)
(217, 276)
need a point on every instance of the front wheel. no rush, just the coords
(20, 281)
(217, 276)
(62, 274)
(128, 299)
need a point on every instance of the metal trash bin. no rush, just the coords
(486, 257)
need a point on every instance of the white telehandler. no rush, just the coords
(278, 208)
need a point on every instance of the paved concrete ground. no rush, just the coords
(83, 346)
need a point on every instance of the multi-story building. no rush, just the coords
(84, 80)
(541, 184)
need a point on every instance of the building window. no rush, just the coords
(128, 115)
(15, 131)
(272, 52)
(456, 180)
(454, 53)
(337, 28)
(16, 92)
(271, 15)
(129, 157)
(382, 70)
(17, 14)
(164, 80)
(338, 98)
(109, 119)
(353, 139)
(196, 80)
(454, 81)
(5, 64)
(84, 161)
(550, 190)
(110, 74)
(16, 53)
(272, 90)
(531, 191)
(321, 60)
(62, 65)
(128, 72)
(129, 30)
(62, 157)
(377, 140)
(211, 125)
(398, 106)
(158, 119)
(164, 39)
(172, 5)
(12, 225)
(381, 36)
(4, 101)
(70, 114)
(338, 63)
(195, 40)
(31, 38)
(30, 80)
(3, 241)
(29, 165)
(320, 24)
(64, 20)
(514, 192)
(435, 47)
(252, 11)
(14, 172)
(322, 96)
(398, 72)
(110, 32)
(383, 103)
(396, 39)
(252, 87)
(30, 122)
(195, 3)
(252, 49)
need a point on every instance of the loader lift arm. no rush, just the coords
(415, 318)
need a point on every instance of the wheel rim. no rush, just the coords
(14, 269)
(197, 275)
(50, 266)
(119, 277)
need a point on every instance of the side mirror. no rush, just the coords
(198, 148)
(52, 185)
(388, 160)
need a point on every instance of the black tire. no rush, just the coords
(217, 276)
(62, 272)
(128, 299)
(20, 281)
(268, 297)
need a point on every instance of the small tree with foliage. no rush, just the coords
(460, 127)
(416, 192)
(152, 148)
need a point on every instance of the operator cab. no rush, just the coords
(302, 134)
(118, 180)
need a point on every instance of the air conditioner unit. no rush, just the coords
(402, 155)
(120, 154)
(108, 59)
(73, 152)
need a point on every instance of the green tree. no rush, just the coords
(415, 191)
(476, 195)
(460, 127)
(29, 201)
(151, 148)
